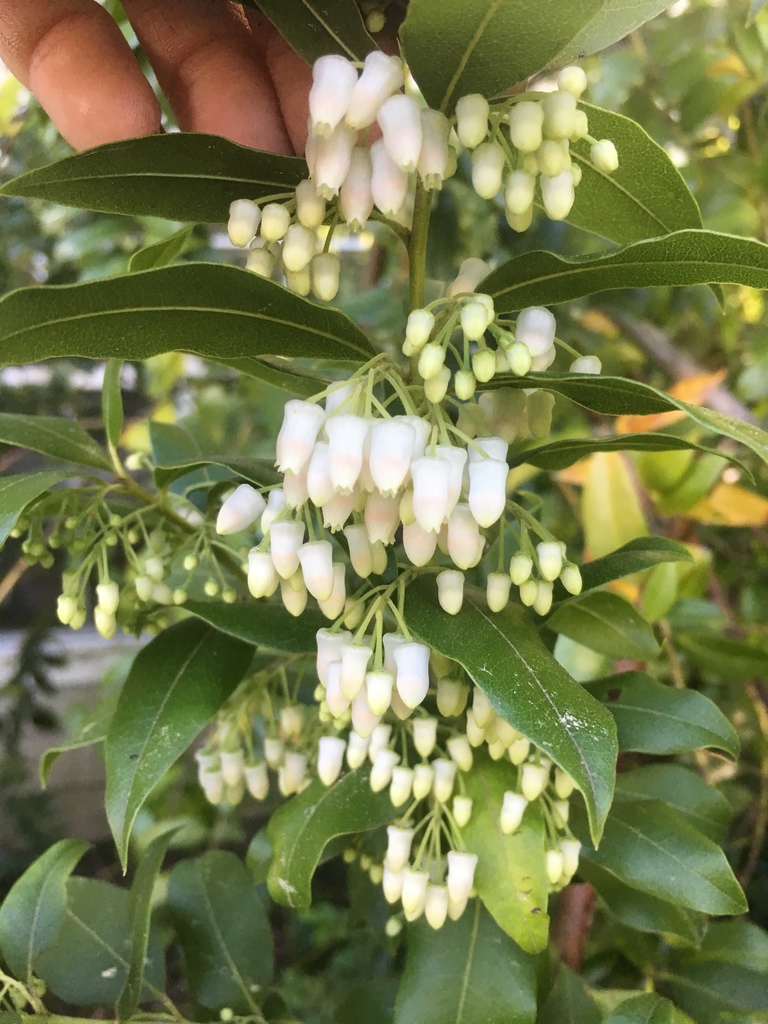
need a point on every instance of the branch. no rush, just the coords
(573, 922)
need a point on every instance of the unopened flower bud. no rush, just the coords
(474, 320)
(392, 883)
(274, 749)
(298, 247)
(354, 664)
(471, 273)
(310, 207)
(66, 608)
(586, 364)
(389, 183)
(520, 568)
(436, 906)
(316, 560)
(431, 359)
(558, 195)
(364, 721)
(335, 699)
(295, 442)
(333, 80)
(294, 595)
(559, 109)
(414, 895)
(399, 118)
(604, 156)
(357, 749)
(384, 762)
(487, 490)
(334, 606)
(512, 811)
(539, 407)
(445, 775)
(433, 155)
(298, 281)
(244, 217)
(291, 773)
(519, 750)
(461, 872)
(257, 780)
(261, 262)
(332, 161)
(526, 120)
(143, 585)
(423, 780)
(554, 865)
(212, 783)
(570, 849)
(450, 590)
(550, 558)
(232, 766)
(424, 735)
(380, 78)
(275, 221)
(380, 737)
(488, 162)
(552, 158)
(462, 811)
(484, 365)
(241, 508)
(108, 597)
(262, 575)
(533, 780)
(330, 756)
(460, 751)
(472, 119)
(105, 623)
(572, 80)
(285, 540)
(436, 388)
(401, 785)
(412, 676)
(324, 272)
(543, 600)
(418, 328)
(451, 696)
(464, 384)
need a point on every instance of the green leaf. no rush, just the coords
(755, 6)
(161, 253)
(256, 471)
(112, 401)
(33, 911)
(372, 1000)
(486, 46)
(681, 258)
(210, 309)
(140, 912)
(699, 803)
(634, 556)
(469, 972)
(504, 655)
(258, 857)
(646, 197)
(316, 27)
(652, 718)
(92, 731)
(650, 847)
(510, 877)
(224, 931)
(262, 624)
(732, 659)
(559, 454)
(605, 623)
(644, 1009)
(54, 436)
(300, 829)
(569, 1001)
(643, 911)
(179, 176)
(280, 373)
(88, 965)
(175, 686)
(19, 490)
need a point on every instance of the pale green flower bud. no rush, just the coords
(604, 156)
(572, 80)
(484, 364)
(464, 384)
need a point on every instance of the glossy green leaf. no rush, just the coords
(510, 877)
(262, 624)
(210, 309)
(224, 931)
(605, 623)
(316, 27)
(112, 401)
(175, 686)
(643, 1009)
(652, 848)
(486, 46)
(258, 856)
(32, 913)
(699, 802)
(179, 176)
(256, 471)
(469, 972)
(140, 912)
(652, 718)
(54, 436)
(88, 964)
(634, 556)
(569, 1001)
(161, 253)
(19, 490)
(280, 373)
(301, 828)
(643, 911)
(732, 659)
(682, 258)
(559, 454)
(504, 655)
(92, 731)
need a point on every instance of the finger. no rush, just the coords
(292, 78)
(204, 56)
(73, 57)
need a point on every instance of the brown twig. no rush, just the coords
(573, 922)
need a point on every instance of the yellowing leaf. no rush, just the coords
(610, 505)
(695, 390)
(729, 505)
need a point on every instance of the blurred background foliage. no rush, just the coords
(695, 78)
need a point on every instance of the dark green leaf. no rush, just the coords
(373, 1000)
(224, 931)
(300, 829)
(280, 373)
(681, 258)
(54, 436)
(469, 972)
(178, 176)
(256, 471)
(259, 856)
(652, 848)
(644, 1009)
(605, 623)
(175, 686)
(699, 802)
(656, 719)
(93, 730)
(88, 964)
(559, 454)
(112, 401)
(19, 490)
(569, 1002)
(161, 253)
(732, 659)
(140, 912)
(636, 555)
(33, 911)
(504, 655)
(210, 309)
(316, 27)
(486, 46)
(510, 877)
(262, 624)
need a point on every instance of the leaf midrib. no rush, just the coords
(224, 948)
(584, 609)
(470, 962)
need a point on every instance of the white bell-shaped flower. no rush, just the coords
(433, 156)
(488, 162)
(360, 552)
(419, 544)
(543, 600)
(346, 439)
(456, 909)
(341, 397)
(461, 874)
(586, 364)
(260, 260)
(333, 81)
(462, 809)
(535, 328)
(391, 642)
(212, 783)
(380, 78)
(316, 560)
(414, 894)
(337, 702)
(380, 737)
(570, 577)
(108, 596)
(475, 733)
(436, 906)
(357, 750)
(406, 508)
(285, 539)
(389, 183)
(564, 784)
(423, 780)
(298, 281)
(310, 207)
(330, 757)
(474, 320)
(257, 780)
(553, 860)
(275, 221)
(412, 676)
(484, 364)
(472, 119)
(329, 646)
(519, 191)
(445, 776)
(471, 273)
(399, 118)
(451, 696)
(528, 592)
(450, 590)
(384, 762)
(558, 195)
(464, 384)
(553, 158)
(464, 538)
(497, 591)
(604, 156)
(364, 721)
(355, 195)
(539, 407)
(320, 487)
(294, 595)
(526, 122)
(262, 575)
(460, 751)
(520, 568)
(106, 624)
(487, 490)
(559, 109)
(561, 810)
(354, 665)
(431, 360)
(295, 489)
(430, 476)
(422, 430)
(298, 247)
(274, 749)
(512, 811)
(275, 504)
(382, 517)
(295, 442)
(424, 735)
(533, 780)
(481, 708)
(392, 884)
(550, 558)
(488, 447)
(332, 161)
(399, 842)
(244, 217)
(519, 750)
(378, 687)
(519, 359)
(338, 509)
(325, 272)
(392, 443)
(571, 850)
(292, 772)
(401, 785)
(418, 329)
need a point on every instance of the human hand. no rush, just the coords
(224, 69)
